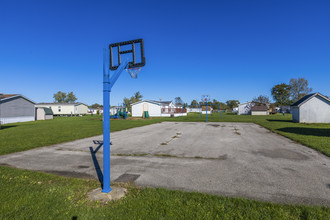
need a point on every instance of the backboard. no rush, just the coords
(134, 51)
(206, 98)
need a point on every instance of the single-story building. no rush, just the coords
(16, 108)
(157, 109)
(43, 113)
(66, 108)
(209, 110)
(312, 108)
(259, 110)
(245, 108)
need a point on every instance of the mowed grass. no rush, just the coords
(34, 195)
(24, 136)
(28, 135)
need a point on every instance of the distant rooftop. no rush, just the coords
(259, 108)
(3, 96)
(58, 103)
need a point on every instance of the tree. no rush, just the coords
(262, 99)
(281, 94)
(137, 96)
(299, 88)
(62, 97)
(194, 103)
(129, 101)
(96, 106)
(178, 101)
(70, 98)
(232, 103)
(59, 97)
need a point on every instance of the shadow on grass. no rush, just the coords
(7, 126)
(96, 164)
(278, 120)
(321, 132)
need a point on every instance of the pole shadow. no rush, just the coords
(7, 126)
(96, 164)
(320, 132)
(279, 120)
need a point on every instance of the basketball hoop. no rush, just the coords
(133, 71)
(206, 98)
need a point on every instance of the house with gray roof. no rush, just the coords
(16, 108)
(312, 108)
(66, 109)
(259, 110)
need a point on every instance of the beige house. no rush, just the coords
(66, 108)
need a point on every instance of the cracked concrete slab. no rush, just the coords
(231, 159)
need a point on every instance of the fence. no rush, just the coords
(173, 110)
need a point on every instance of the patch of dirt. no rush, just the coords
(214, 125)
(282, 154)
(69, 174)
(126, 177)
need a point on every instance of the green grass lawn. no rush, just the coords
(24, 136)
(33, 195)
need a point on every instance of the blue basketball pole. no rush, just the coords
(107, 85)
(220, 110)
(106, 125)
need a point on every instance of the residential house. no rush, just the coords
(66, 109)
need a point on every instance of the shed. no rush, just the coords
(209, 109)
(16, 108)
(259, 110)
(312, 108)
(43, 113)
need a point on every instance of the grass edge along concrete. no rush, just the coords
(37, 195)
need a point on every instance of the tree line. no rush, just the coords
(62, 97)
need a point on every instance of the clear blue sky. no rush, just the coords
(228, 49)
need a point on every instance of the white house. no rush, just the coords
(157, 109)
(245, 108)
(16, 108)
(66, 108)
(312, 108)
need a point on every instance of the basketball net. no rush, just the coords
(133, 71)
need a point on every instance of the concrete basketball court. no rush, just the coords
(230, 159)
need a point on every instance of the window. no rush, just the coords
(59, 108)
